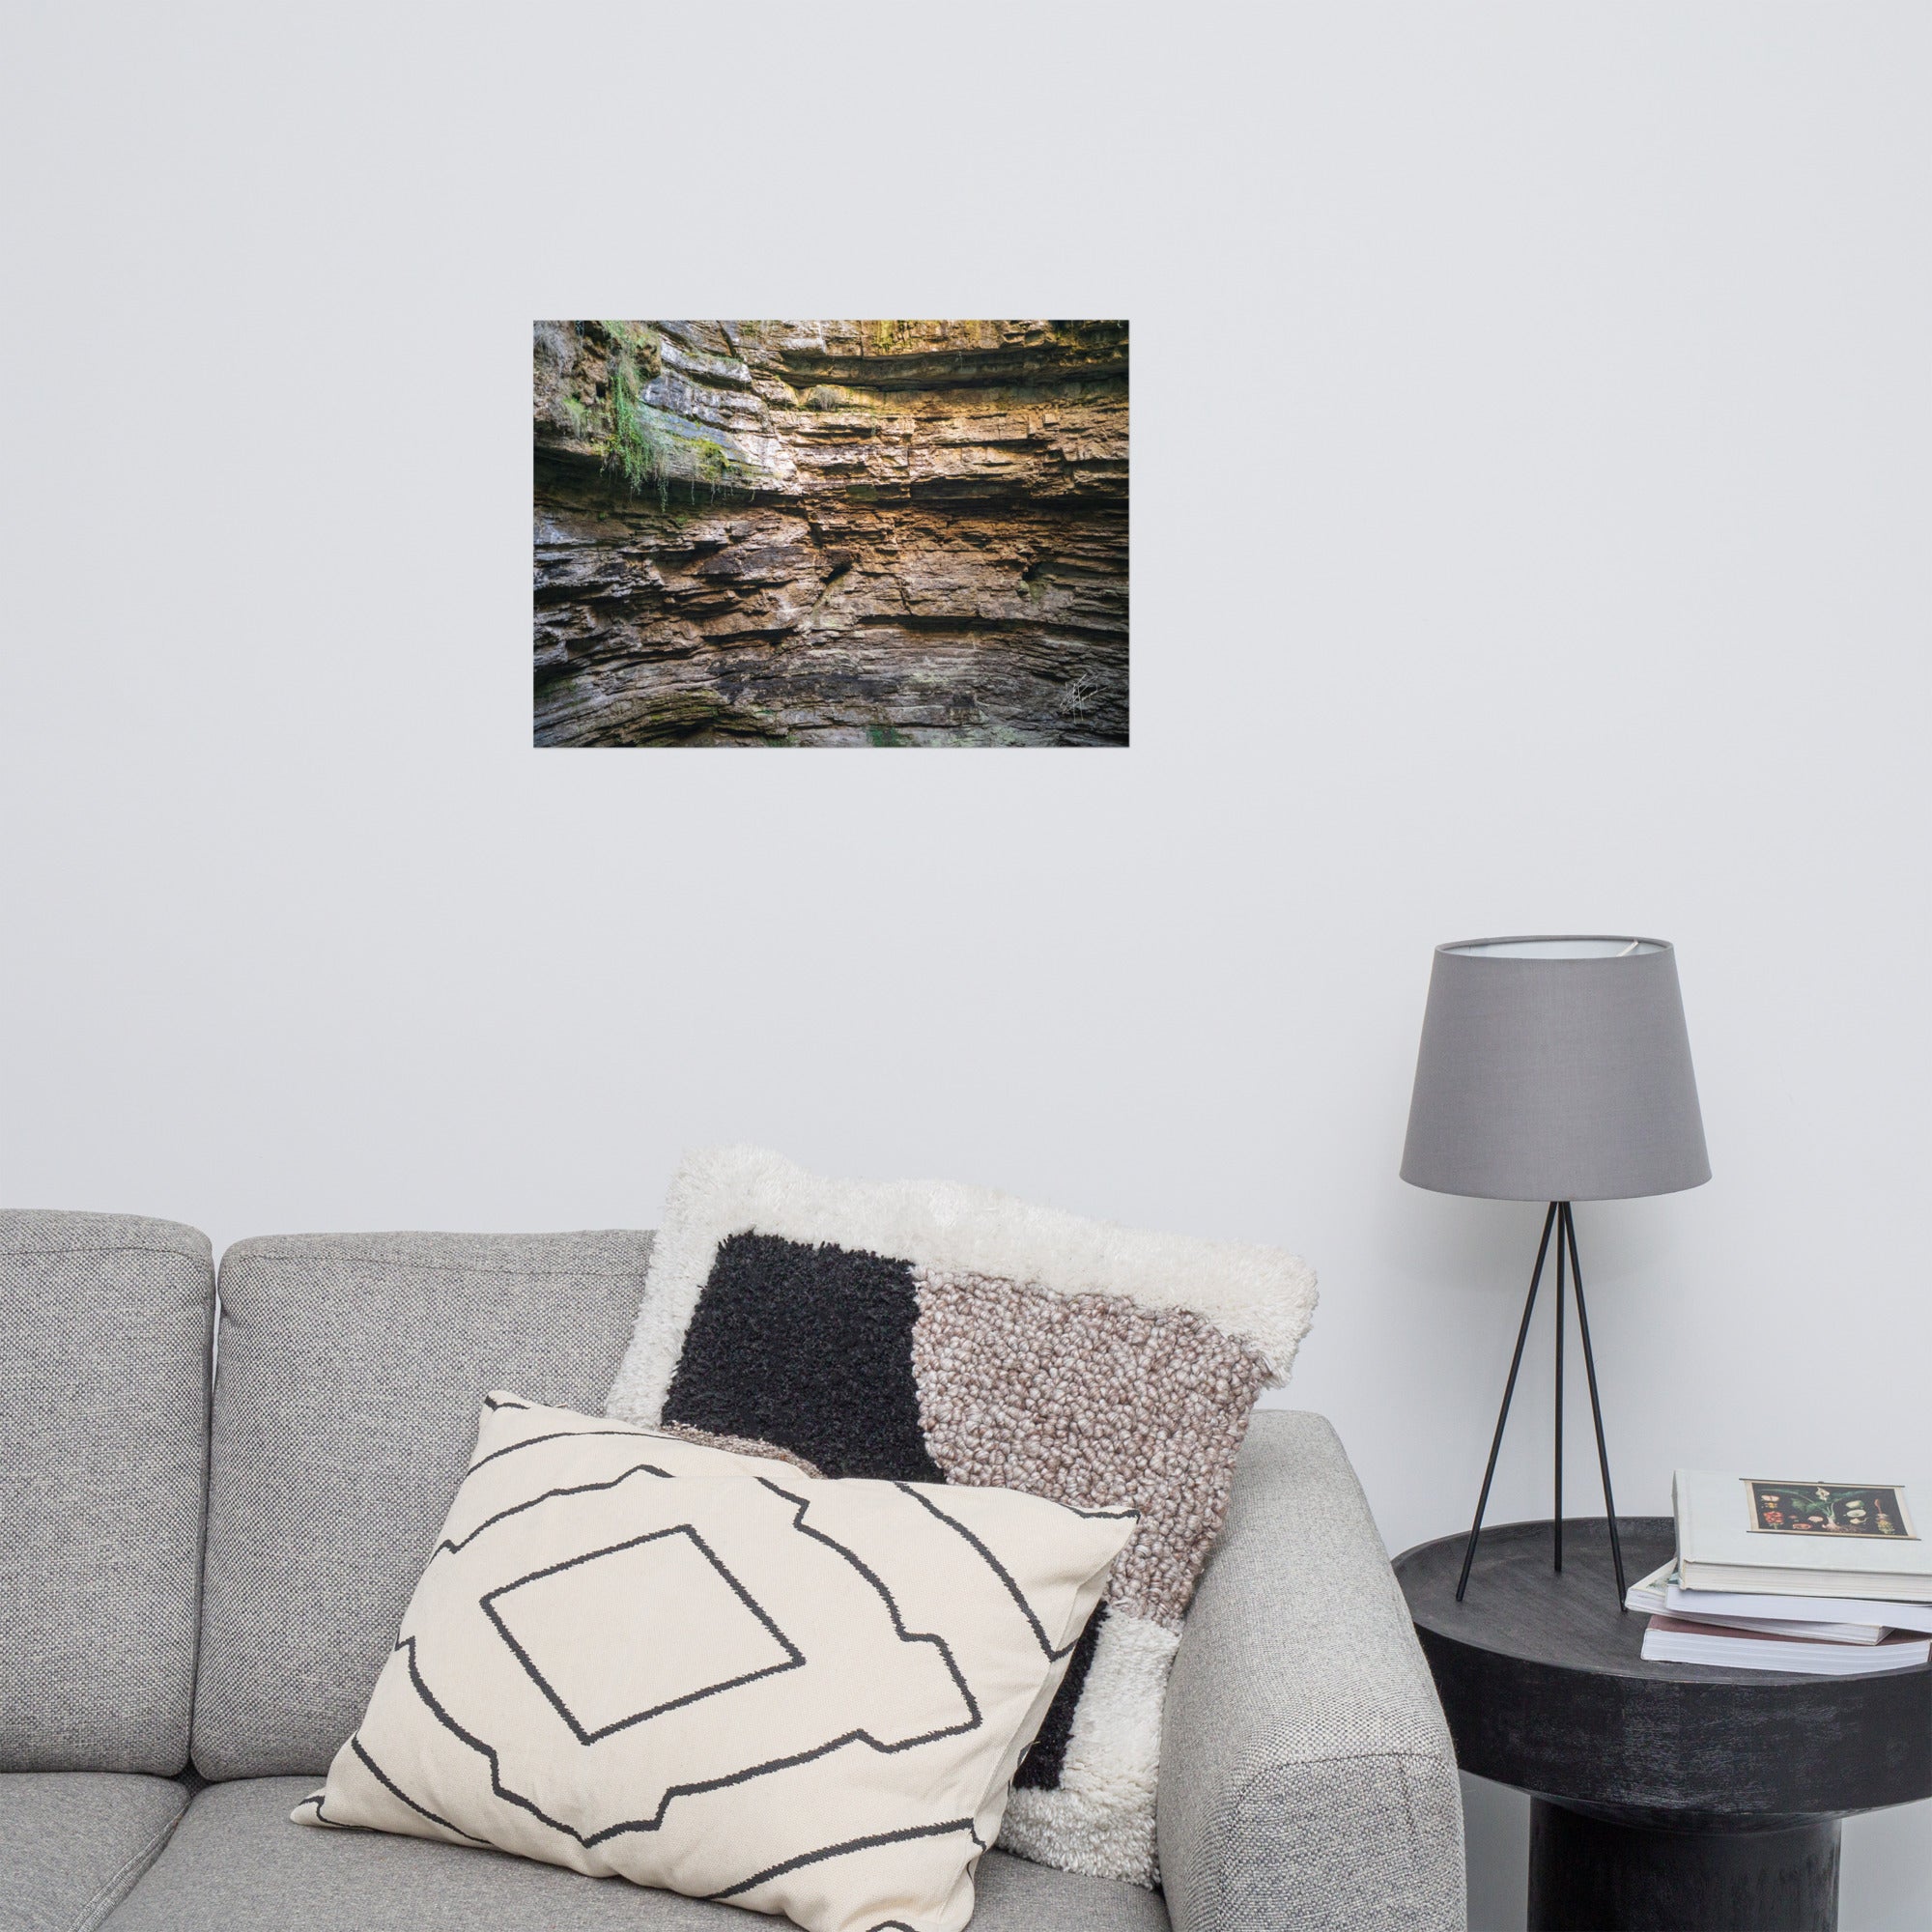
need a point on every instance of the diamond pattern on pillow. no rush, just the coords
(638, 1656)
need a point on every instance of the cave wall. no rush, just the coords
(831, 533)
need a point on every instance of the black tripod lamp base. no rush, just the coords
(1562, 1224)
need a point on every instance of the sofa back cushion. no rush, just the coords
(105, 1325)
(350, 1371)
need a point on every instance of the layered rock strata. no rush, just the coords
(831, 533)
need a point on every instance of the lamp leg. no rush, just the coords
(1557, 1488)
(1509, 1389)
(1596, 1407)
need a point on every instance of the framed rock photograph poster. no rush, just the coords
(874, 533)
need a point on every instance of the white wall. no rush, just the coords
(1531, 503)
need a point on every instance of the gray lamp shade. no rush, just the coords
(1555, 1069)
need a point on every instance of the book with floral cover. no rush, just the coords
(1803, 1537)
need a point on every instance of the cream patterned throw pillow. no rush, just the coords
(638, 1655)
(933, 1333)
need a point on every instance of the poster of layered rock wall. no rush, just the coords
(831, 533)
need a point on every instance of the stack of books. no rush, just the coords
(1827, 1578)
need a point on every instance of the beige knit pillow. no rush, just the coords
(636, 1655)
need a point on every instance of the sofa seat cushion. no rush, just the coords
(237, 1864)
(104, 1411)
(71, 1842)
(345, 1407)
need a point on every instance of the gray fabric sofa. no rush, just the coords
(201, 1575)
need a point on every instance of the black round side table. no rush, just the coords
(1666, 1796)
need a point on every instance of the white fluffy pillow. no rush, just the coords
(634, 1655)
(934, 1333)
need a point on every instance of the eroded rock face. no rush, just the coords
(831, 533)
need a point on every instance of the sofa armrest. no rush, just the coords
(1307, 1779)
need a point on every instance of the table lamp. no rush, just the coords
(1554, 1069)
